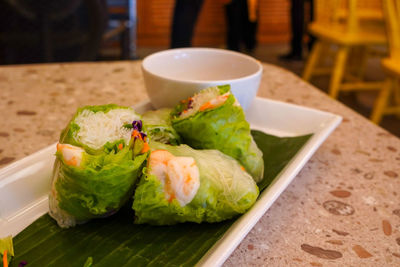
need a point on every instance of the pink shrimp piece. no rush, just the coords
(179, 175)
(184, 178)
(72, 155)
(216, 102)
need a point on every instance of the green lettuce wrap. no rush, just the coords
(157, 124)
(181, 184)
(213, 119)
(98, 187)
(98, 161)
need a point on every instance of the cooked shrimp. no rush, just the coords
(72, 155)
(184, 178)
(215, 102)
(179, 175)
(158, 161)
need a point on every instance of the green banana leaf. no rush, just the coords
(116, 241)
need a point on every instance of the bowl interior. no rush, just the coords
(201, 64)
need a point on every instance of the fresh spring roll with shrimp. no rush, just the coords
(98, 160)
(214, 119)
(157, 124)
(181, 184)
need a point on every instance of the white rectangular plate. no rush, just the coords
(25, 184)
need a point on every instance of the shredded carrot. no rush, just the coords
(243, 169)
(5, 262)
(206, 106)
(185, 111)
(120, 146)
(145, 148)
(136, 133)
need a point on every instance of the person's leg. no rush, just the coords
(249, 29)
(311, 40)
(297, 30)
(184, 21)
(297, 12)
(233, 25)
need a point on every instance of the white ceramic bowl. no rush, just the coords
(174, 75)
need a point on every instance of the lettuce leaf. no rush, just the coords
(97, 188)
(223, 128)
(225, 191)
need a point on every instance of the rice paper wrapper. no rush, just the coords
(223, 128)
(225, 191)
(158, 126)
(105, 177)
(98, 188)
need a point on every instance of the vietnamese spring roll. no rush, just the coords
(181, 184)
(157, 124)
(98, 160)
(214, 119)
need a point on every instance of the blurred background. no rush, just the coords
(349, 49)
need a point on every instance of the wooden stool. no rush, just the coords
(388, 101)
(353, 26)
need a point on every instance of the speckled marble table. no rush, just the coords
(343, 209)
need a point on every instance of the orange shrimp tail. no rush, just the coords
(59, 147)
